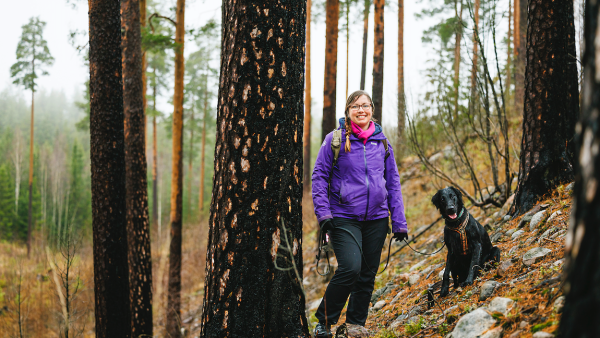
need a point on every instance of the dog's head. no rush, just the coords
(448, 201)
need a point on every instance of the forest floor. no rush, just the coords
(521, 297)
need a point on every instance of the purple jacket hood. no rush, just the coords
(364, 184)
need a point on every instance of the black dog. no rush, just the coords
(469, 245)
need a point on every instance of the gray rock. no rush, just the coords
(506, 218)
(501, 304)
(510, 232)
(516, 334)
(450, 309)
(493, 333)
(535, 255)
(473, 324)
(569, 187)
(435, 157)
(554, 214)
(559, 303)
(558, 233)
(542, 334)
(358, 331)
(512, 250)
(415, 311)
(398, 321)
(382, 292)
(397, 297)
(503, 267)
(413, 279)
(497, 236)
(530, 240)
(487, 289)
(379, 305)
(559, 262)
(523, 324)
(524, 220)
(537, 219)
(517, 234)
(495, 215)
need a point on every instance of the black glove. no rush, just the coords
(400, 236)
(326, 226)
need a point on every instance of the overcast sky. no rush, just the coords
(68, 72)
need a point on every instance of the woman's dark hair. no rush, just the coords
(349, 101)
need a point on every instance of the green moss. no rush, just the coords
(542, 326)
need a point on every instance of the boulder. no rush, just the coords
(487, 289)
(535, 255)
(530, 240)
(523, 324)
(379, 305)
(507, 205)
(497, 236)
(510, 232)
(503, 267)
(517, 234)
(559, 303)
(542, 334)
(358, 331)
(501, 304)
(537, 219)
(382, 292)
(515, 334)
(473, 324)
(554, 214)
(413, 279)
(493, 333)
(558, 262)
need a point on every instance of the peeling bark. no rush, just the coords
(138, 231)
(257, 190)
(551, 103)
(107, 151)
(329, 122)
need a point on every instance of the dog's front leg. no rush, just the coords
(474, 265)
(446, 278)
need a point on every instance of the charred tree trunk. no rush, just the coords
(401, 95)
(307, 105)
(378, 59)
(581, 312)
(174, 286)
(107, 151)
(138, 231)
(363, 68)
(256, 209)
(143, 14)
(331, 51)
(520, 61)
(551, 103)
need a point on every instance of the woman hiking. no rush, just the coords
(353, 199)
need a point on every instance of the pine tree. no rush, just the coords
(6, 204)
(329, 122)
(33, 56)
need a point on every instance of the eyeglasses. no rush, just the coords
(365, 107)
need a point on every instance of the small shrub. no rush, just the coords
(386, 334)
(415, 327)
(542, 326)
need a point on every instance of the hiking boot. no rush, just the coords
(322, 331)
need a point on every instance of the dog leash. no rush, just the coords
(423, 253)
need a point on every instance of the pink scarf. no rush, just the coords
(363, 134)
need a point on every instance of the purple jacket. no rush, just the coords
(363, 187)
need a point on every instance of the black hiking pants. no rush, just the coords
(355, 275)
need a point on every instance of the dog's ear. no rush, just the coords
(458, 194)
(436, 199)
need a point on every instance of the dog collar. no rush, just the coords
(462, 233)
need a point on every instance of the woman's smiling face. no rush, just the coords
(358, 114)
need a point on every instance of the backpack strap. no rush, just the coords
(387, 150)
(336, 143)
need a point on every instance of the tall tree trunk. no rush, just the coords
(190, 158)
(401, 95)
(307, 105)
(474, 97)
(520, 52)
(202, 151)
(143, 15)
(581, 312)
(138, 231)
(457, 38)
(508, 49)
(363, 68)
(174, 296)
(347, 42)
(154, 158)
(378, 59)
(331, 51)
(256, 209)
(107, 152)
(551, 103)
(29, 212)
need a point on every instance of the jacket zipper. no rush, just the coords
(367, 179)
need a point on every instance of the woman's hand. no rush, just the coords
(400, 236)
